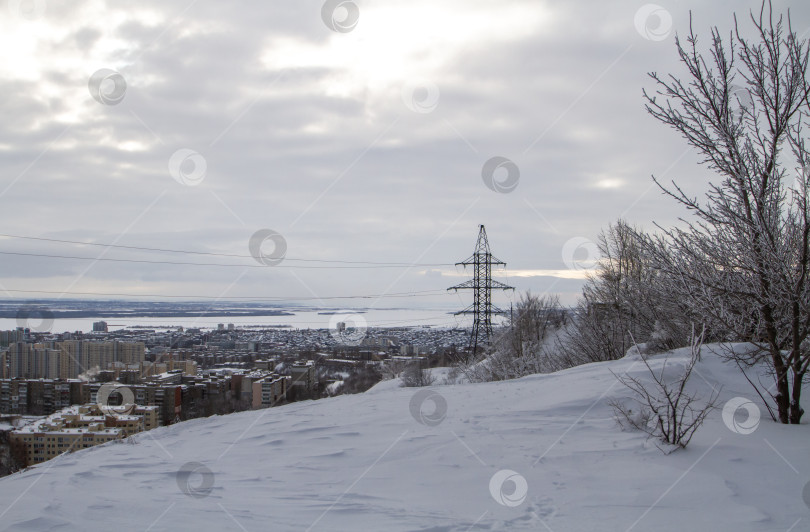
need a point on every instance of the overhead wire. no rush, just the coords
(208, 253)
(422, 293)
(214, 264)
(333, 264)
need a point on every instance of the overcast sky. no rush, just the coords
(358, 131)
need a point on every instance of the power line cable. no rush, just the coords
(423, 293)
(212, 254)
(182, 263)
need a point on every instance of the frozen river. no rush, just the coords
(301, 319)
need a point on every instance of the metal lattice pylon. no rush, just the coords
(481, 284)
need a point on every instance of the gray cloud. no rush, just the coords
(304, 131)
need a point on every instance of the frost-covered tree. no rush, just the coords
(521, 347)
(621, 303)
(742, 260)
(415, 375)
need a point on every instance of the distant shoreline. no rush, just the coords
(174, 313)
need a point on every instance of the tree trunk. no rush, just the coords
(796, 410)
(782, 397)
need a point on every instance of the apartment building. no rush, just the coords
(44, 440)
(269, 390)
(9, 337)
(69, 358)
(167, 399)
(79, 427)
(303, 379)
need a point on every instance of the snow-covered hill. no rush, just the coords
(539, 453)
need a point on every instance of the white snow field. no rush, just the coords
(538, 453)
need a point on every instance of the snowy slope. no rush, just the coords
(374, 462)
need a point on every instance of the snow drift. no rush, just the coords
(539, 453)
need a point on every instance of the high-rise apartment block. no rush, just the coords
(69, 358)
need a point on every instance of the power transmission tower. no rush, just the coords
(482, 284)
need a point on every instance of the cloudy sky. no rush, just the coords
(339, 134)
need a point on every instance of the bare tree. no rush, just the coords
(361, 379)
(522, 346)
(743, 262)
(415, 376)
(621, 301)
(532, 321)
(666, 410)
(393, 368)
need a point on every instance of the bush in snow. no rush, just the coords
(665, 410)
(522, 346)
(359, 380)
(416, 376)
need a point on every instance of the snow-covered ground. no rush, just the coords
(539, 453)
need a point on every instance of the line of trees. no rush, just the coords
(739, 267)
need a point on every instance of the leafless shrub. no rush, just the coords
(665, 410)
(522, 347)
(416, 376)
(393, 368)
